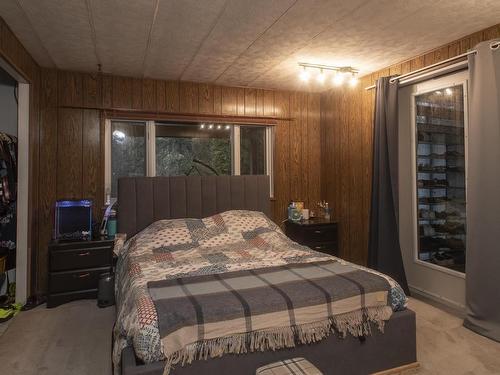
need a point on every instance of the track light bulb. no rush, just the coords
(321, 77)
(304, 74)
(353, 81)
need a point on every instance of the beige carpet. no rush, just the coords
(444, 346)
(76, 339)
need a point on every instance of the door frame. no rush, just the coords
(456, 79)
(424, 278)
(23, 265)
(22, 251)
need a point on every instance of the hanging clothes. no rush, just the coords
(8, 198)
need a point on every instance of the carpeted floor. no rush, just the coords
(445, 347)
(76, 339)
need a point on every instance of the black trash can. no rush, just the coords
(106, 290)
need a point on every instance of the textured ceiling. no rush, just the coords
(254, 43)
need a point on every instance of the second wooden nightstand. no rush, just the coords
(317, 233)
(75, 268)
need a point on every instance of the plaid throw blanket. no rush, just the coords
(183, 248)
(266, 309)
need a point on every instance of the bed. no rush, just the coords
(174, 262)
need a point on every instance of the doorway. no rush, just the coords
(8, 185)
(432, 178)
(16, 101)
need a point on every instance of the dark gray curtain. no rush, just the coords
(483, 193)
(384, 250)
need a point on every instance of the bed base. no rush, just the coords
(391, 352)
(411, 368)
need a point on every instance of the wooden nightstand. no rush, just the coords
(75, 267)
(317, 233)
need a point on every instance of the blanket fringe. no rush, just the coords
(357, 323)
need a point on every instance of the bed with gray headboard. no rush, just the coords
(143, 201)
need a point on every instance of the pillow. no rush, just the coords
(120, 239)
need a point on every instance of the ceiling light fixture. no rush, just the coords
(339, 73)
(228, 127)
(219, 127)
(202, 126)
(304, 74)
(211, 126)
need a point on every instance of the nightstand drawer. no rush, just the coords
(67, 281)
(317, 234)
(323, 233)
(327, 247)
(80, 258)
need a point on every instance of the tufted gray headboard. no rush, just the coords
(144, 200)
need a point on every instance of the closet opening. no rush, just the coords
(14, 146)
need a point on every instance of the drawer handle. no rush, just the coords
(84, 254)
(318, 231)
(81, 276)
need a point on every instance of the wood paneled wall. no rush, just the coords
(347, 133)
(71, 135)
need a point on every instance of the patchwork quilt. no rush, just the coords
(154, 264)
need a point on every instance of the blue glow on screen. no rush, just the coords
(74, 203)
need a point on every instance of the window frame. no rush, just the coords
(454, 79)
(150, 134)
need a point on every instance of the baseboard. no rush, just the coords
(457, 308)
(410, 368)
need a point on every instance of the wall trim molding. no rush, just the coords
(134, 114)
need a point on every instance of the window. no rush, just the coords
(440, 125)
(190, 150)
(252, 150)
(128, 151)
(183, 149)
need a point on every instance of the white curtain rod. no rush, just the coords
(428, 67)
(463, 64)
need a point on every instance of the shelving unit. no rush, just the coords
(441, 178)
